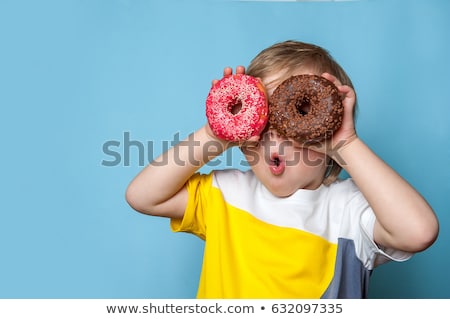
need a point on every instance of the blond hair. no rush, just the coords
(288, 57)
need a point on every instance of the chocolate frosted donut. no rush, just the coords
(306, 108)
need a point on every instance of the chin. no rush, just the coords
(282, 195)
(280, 190)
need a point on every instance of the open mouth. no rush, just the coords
(276, 165)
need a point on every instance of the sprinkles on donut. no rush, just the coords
(306, 108)
(237, 107)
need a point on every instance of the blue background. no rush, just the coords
(87, 83)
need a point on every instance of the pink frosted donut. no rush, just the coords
(237, 107)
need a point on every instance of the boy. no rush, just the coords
(288, 228)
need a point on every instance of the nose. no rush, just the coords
(272, 135)
(274, 142)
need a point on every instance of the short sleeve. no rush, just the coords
(377, 255)
(193, 221)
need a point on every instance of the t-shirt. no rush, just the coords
(312, 244)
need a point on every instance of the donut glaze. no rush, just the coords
(237, 107)
(306, 108)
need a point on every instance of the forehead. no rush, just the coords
(272, 80)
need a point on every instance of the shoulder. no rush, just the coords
(234, 177)
(236, 186)
(344, 189)
(347, 201)
(345, 185)
(227, 181)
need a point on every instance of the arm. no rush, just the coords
(159, 189)
(405, 221)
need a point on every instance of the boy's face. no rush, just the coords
(284, 166)
(281, 164)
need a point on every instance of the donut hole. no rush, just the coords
(235, 107)
(303, 106)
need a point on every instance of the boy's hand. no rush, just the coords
(346, 133)
(227, 71)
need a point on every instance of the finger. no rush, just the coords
(348, 101)
(227, 71)
(240, 69)
(332, 79)
(255, 138)
(347, 91)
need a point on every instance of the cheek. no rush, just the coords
(253, 155)
(315, 156)
(307, 158)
